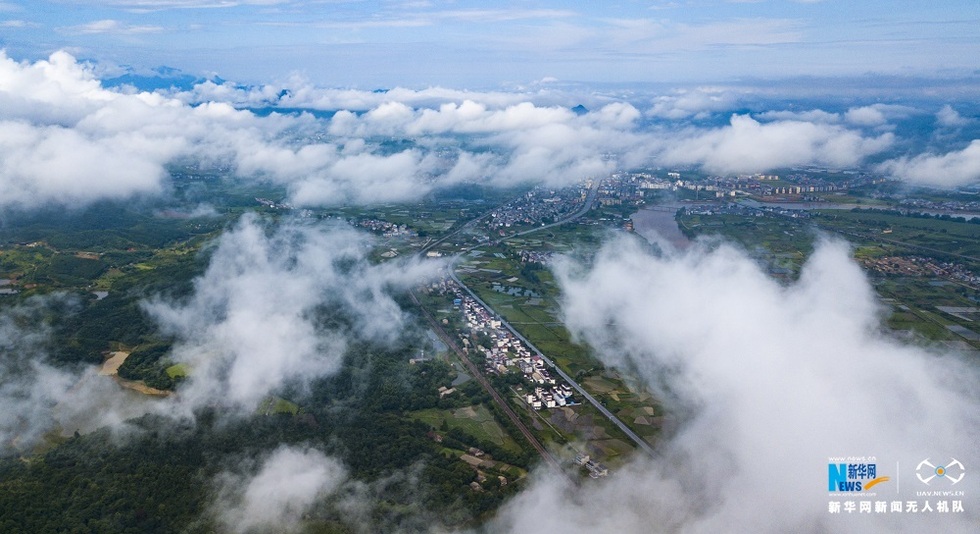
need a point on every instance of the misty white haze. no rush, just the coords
(250, 327)
(41, 397)
(31, 386)
(274, 499)
(768, 382)
(248, 330)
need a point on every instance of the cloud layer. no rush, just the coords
(67, 139)
(955, 168)
(259, 317)
(768, 382)
(746, 145)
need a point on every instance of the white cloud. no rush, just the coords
(865, 116)
(468, 117)
(68, 140)
(252, 325)
(263, 317)
(153, 5)
(112, 27)
(747, 145)
(65, 166)
(947, 117)
(502, 15)
(529, 143)
(877, 114)
(956, 168)
(364, 178)
(300, 93)
(554, 146)
(17, 24)
(813, 115)
(288, 482)
(766, 382)
(649, 36)
(697, 103)
(58, 90)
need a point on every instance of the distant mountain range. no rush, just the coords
(159, 78)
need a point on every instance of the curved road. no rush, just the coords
(586, 206)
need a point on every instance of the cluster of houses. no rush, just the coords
(507, 354)
(937, 205)
(922, 266)
(595, 469)
(386, 229)
(620, 188)
(762, 185)
(749, 209)
(537, 207)
(272, 204)
(535, 256)
(550, 397)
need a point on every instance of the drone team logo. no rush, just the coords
(953, 471)
(853, 477)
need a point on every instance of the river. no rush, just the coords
(657, 226)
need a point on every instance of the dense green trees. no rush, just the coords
(158, 474)
(148, 363)
(159, 477)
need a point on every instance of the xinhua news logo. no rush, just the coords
(853, 477)
(951, 472)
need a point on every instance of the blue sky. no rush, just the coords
(482, 44)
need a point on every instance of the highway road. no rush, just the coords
(587, 205)
(497, 398)
(640, 442)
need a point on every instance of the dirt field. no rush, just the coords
(142, 388)
(111, 366)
